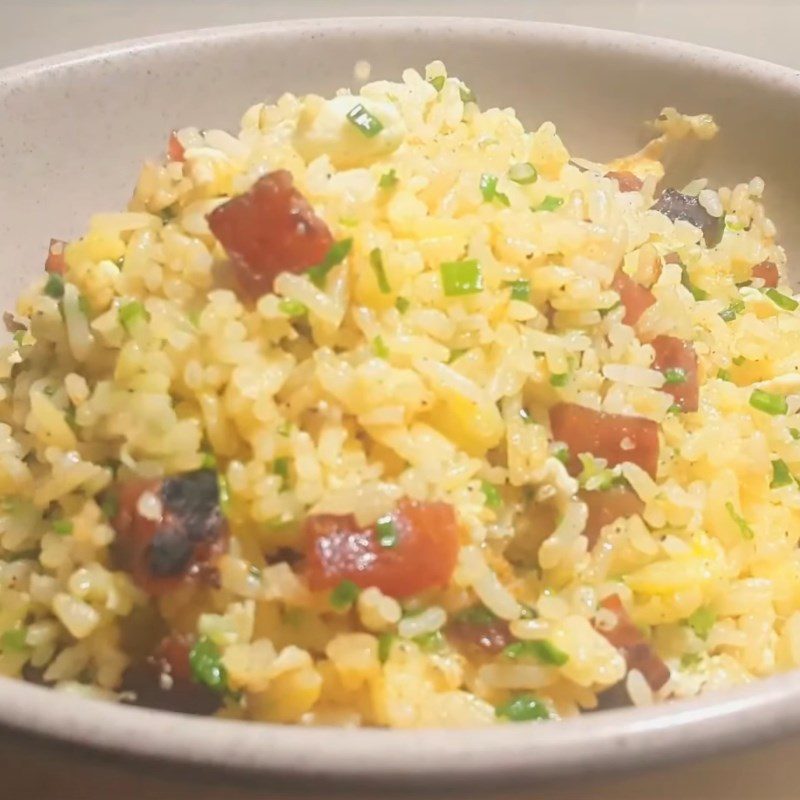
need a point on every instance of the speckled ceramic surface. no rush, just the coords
(73, 131)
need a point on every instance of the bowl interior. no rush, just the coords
(73, 132)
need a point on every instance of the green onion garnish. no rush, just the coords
(292, 308)
(365, 121)
(437, 81)
(550, 203)
(18, 337)
(523, 173)
(475, 615)
(388, 180)
(386, 531)
(344, 595)
(729, 313)
(285, 428)
(432, 642)
(376, 261)
(520, 289)
(467, 95)
(13, 641)
(674, 375)
(782, 300)
(492, 495)
(559, 380)
(205, 661)
(224, 494)
(63, 527)
(690, 660)
(541, 650)
(768, 403)
(209, 461)
(741, 522)
(280, 466)
(456, 353)
(489, 191)
(794, 433)
(402, 304)
(780, 474)
(738, 360)
(725, 375)
(561, 452)
(385, 642)
(55, 286)
(523, 708)
(461, 277)
(335, 255)
(674, 409)
(110, 506)
(701, 621)
(696, 292)
(379, 347)
(132, 313)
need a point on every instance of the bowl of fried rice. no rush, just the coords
(400, 400)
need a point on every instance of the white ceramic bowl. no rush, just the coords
(73, 131)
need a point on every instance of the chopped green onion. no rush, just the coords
(729, 313)
(492, 495)
(437, 81)
(13, 641)
(285, 428)
(385, 642)
(489, 191)
(432, 642)
(18, 337)
(344, 595)
(794, 433)
(696, 292)
(402, 304)
(768, 403)
(386, 531)
(475, 615)
(83, 305)
(365, 121)
(541, 650)
(605, 311)
(388, 180)
(690, 660)
(523, 173)
(376, 261)
(561, 453)
(456, 353)
(559, 380)
(110, 506)
(595, 476)
(461, 277)
(550, 203)
(132, 313)
(725, 375)
(734, 226)
(467, 95)
(209, 461)
(674, 375)
(281, 467)
(63, 527)
(292, 308)
(520, 289)
(523, 708)
(741, 522)
(379, 347)
(780, 474)
(224, 494)
(334, 256)
(738, 360)
(205, 661)
(55, 286)
(702, 621)
(674, 409)
(782, 300)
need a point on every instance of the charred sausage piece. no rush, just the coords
(170, 530)
(679, 206)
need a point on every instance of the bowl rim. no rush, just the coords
(509, 755)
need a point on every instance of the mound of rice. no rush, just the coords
(386, 387)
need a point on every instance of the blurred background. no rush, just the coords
(35, 28)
